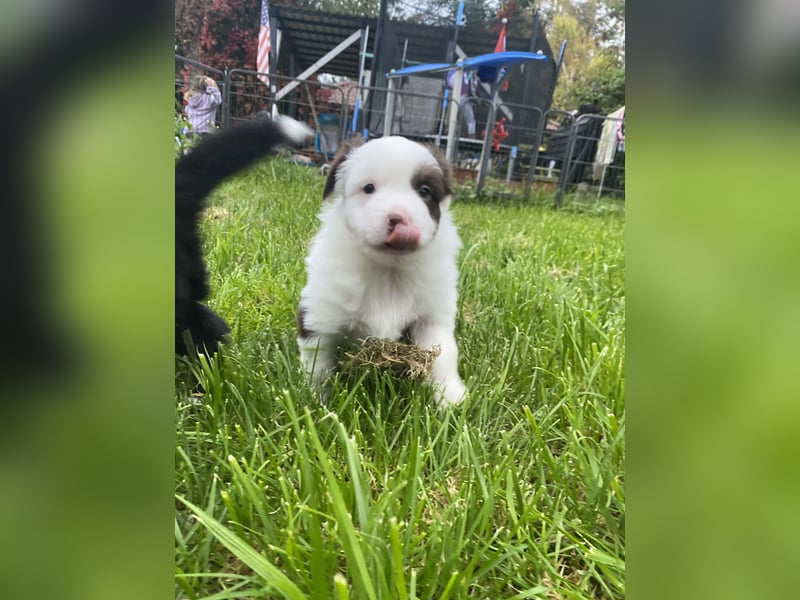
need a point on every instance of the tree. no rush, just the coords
(189, 18)
(593, 68)
(603, 84)
(366, 8)
(230, 34)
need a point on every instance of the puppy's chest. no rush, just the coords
(387, 308)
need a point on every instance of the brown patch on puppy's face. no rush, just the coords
(433, 187)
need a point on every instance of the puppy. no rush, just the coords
(383, 263)
(197, 173)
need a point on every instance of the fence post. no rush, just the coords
(226, 98)
(511, 159)
(389, 116)
(566, 164)
(487, 145)
(537, 142)
(452, 133)
(344, 110)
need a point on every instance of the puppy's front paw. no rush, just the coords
(450, 393)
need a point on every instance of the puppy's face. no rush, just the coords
(393, 192)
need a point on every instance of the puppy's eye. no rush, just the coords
(424, 191)
(369, 189)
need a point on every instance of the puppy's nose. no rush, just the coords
(394, 220)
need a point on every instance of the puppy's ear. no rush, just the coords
(330, 183)
(447, 174)
(337, 161)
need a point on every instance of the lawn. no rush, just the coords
(517, 493)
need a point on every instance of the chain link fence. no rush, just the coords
(496, 145)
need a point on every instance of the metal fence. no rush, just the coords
(513, 147)
(586, 155)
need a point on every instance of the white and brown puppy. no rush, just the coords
(383, 263)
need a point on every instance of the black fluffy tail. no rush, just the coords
(210, 162)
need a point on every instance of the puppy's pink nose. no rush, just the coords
(394, 220)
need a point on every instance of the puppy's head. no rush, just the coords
(392, 191)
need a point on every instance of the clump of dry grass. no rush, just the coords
(402, 360)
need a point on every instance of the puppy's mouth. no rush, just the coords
(394, 250)
(402, 236)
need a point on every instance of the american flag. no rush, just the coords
(264, 44)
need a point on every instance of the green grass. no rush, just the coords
(518, 493)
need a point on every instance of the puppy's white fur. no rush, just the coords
(383, 263)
